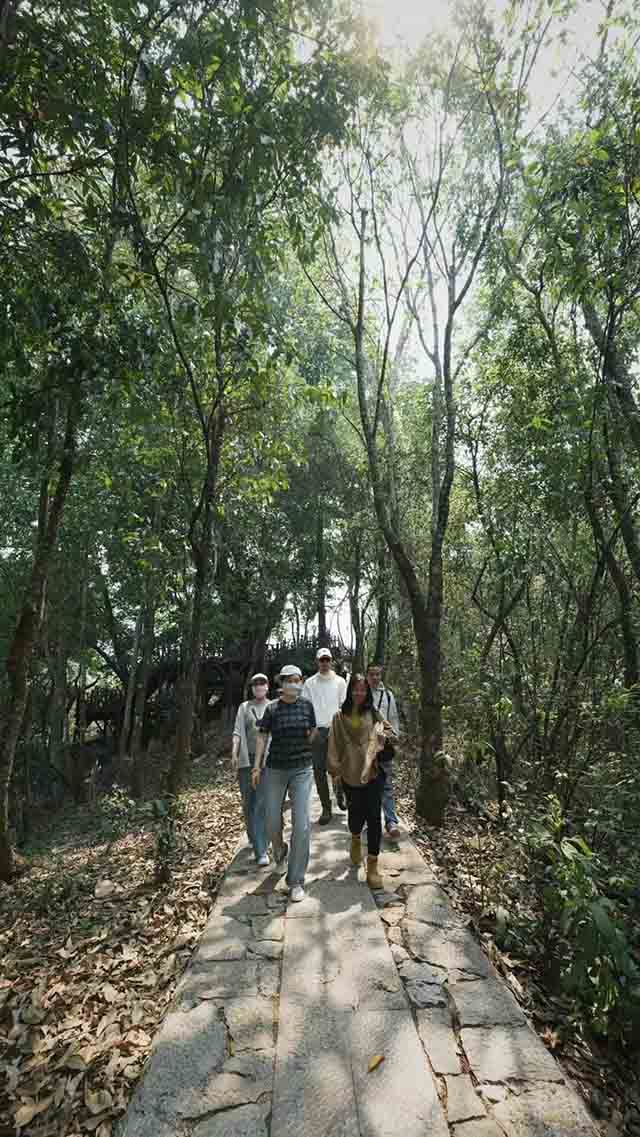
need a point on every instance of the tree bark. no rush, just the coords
(139, 703)
(201, 552)
(26, 634)
(125, 730)
(321, 586)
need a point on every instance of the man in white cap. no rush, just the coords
(243, 752)
(288, 724)
(326, 691)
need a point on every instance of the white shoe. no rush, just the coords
(263, 860)
(296, 894)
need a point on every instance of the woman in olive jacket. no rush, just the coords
(358, 732)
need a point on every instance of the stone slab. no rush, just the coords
(494, 1093)
(414, 972)
(426, 995)
(313, 1092)
(429, 904)
(247, 1121)
(341, 963)
(267, 927)
(268, 977)
(244, 1079)
(190, 1047)
(326, 897)
(400, 1096)
(267, 949)
(217, 980)
(483, 1127)
(485, 1002)
(250, 1021)
(400, 954)
(501, 1053)
(463, 1103)
(223, 938)
(449, 948)
(545, 1111)
(439, 1041)
(248, 905)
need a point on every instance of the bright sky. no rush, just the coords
(403, 23)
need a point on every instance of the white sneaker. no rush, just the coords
(296, 894)
(263, 860)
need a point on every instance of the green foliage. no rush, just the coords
(583, 927)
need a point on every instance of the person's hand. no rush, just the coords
(255, 778)
(365, 777)
(234, 762)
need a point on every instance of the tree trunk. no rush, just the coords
(132, 684)
(139, 704)
(433, 789)
(321, 586)
(382, 620)
(81, 701)
(201, 552)
(26, 634)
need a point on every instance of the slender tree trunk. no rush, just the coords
(139, 703)
(321, 586)
(26, 634)
(426, 609)
(382, 619)
(202, 552)
(132, 684)
(81, 701)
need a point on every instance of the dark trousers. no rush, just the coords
(319, 748)
(364, 803)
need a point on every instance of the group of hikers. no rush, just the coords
(317, 728)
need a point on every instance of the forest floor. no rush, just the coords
(92, 949)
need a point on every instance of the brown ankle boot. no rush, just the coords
(374, 880)
(356, 850)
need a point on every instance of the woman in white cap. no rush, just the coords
(243, 752)
(288, 724)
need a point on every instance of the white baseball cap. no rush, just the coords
(259, 677)
(289, 670)
(323, 653)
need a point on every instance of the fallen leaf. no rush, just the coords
(97, 1102)
(376, 1061)
(105, 888)
(26, 1113)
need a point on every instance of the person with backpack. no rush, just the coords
(243, 752)
(385, 703)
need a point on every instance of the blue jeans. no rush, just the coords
(298, 783)
(388, 805)
(253, 807)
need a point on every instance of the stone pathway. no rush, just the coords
(284, 1009)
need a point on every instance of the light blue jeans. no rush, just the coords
(298, 783)
(253, 807)
(388, 804)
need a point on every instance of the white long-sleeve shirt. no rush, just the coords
(326, 693)
(385, 702)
